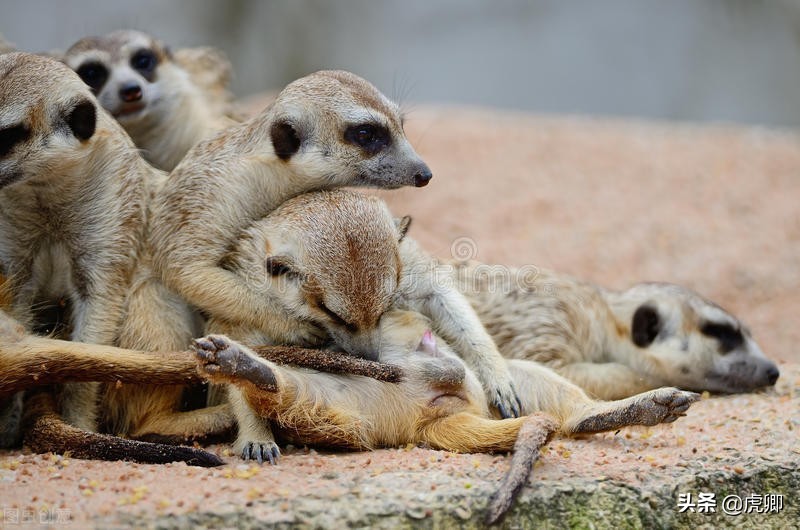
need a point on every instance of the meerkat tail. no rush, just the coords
(331, 362)
(36, 361)
(535, 432)
(45, 431)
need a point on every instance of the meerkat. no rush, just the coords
(53, 232)
(327, 130)
(613, 344)
(73, 220)
(167, 102)
(313, 258)
(343, 297)
(439, 402)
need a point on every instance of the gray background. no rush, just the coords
(694, 60)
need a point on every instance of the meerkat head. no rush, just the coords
(694, 341)
(335, 127)
(48, 118)
(441, 376)
(128, 71)
(327, 258)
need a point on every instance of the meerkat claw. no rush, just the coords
(259, 451)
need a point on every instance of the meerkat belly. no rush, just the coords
(53, 289)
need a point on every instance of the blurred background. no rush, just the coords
(689, 60)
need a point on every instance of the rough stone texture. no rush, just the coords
(615, 202)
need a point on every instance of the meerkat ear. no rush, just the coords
(82, 120)
(280, 266)
(403, 224)
(645, 325)
(285, 139)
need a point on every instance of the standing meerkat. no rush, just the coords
(167, 102)
(64, 224)
(614, 344)
(313, 259)
(327, 130)
(73, 223)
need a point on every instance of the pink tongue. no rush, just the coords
(428, 343)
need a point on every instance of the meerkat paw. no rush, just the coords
(663, 405)
(221, 359)
(503, 396)
(260, 451)
(666, 405)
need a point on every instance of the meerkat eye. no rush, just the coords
(371, 138)
(728, 336)
(11, 136)
(144, 61)
(93, 74)
(352, 328)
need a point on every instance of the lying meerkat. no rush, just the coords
(614, 344)
(73, 222)
(167, 102)
(313, 259)
(439, 402)
(325, 270)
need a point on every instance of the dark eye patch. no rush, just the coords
(370, 137)
(145, 62)
(728, 336)
(94, 74)
(11, 136)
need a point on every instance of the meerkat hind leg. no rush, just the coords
(541, 389)
(662, 405)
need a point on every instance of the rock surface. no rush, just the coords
(615, 202)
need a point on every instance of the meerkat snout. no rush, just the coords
(130, 92)
(422, 177)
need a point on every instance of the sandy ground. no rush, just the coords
(715, 208)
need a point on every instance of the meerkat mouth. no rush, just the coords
(130, 110)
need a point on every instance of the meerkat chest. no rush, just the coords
(51, 272)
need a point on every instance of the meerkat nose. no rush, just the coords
(422, 177)
(772, 374)
(130, 93)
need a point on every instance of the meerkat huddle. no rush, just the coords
(243, 233)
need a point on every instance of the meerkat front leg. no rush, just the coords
(221, 360)
(458, 324)
(98, 314)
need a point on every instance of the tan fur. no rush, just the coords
(303, 141)
(183, 100)
(73, 224)
(333, 272)
(585, 332)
